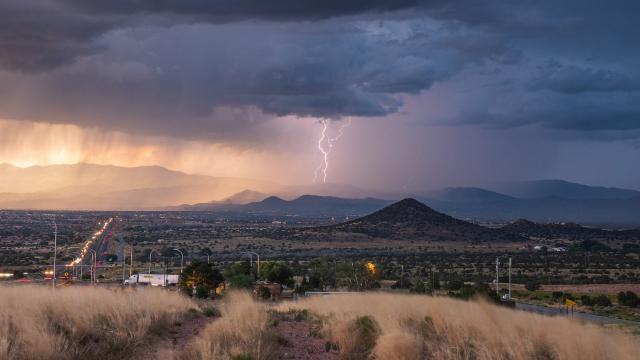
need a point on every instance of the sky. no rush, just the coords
(426, 94)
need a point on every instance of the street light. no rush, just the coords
(150, 253)
(55, 251)
(181, 259)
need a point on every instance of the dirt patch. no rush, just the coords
(175, 341)
(298, 339)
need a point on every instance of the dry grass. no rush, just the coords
(82, 323)
(414, 327)
(240, 333)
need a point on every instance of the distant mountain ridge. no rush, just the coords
(569, 231)
(538, 189)
(306, 205)
(105, 187)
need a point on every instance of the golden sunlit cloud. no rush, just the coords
(26, 144)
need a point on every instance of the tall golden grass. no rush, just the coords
(416, 327)
(82, 323)
(240, 333)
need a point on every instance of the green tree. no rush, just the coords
(199, 275)
(241, 281)
(238, 268)
(322, 274)
(276, 271)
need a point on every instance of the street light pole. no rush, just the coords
(77, 261)
(94, 256)
(150, 253)
(55, 251)
(181, 259)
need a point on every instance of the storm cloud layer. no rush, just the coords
(202, 69)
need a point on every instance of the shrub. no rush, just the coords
(418, 287)
(202, 292)
(557, 295)
(211, 311)
(241, 357)
(628, 298)
(364, 334)
(532, 285)
(264, 293)
(454, 285)
(240, 333)
(587, 300)
(602, 300)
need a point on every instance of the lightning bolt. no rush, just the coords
(324, 163)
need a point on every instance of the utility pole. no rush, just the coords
(131, 260)
(124, 265)
(498, 276)
(55, 251)
(251, 253)
(509, 278)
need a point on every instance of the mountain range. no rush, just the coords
(103, 187)
(306, 205)
(594, 207)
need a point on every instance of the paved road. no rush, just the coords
(550, 311)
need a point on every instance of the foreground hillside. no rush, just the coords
(391, 326)
(83, 322)
(93, 323)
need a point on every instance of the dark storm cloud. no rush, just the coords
(230, 10)
(40, 34)
(145, 83)
(572, 79)
(37, 35)
(169, 67)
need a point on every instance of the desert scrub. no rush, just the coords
(358, 338)
(426, 327)
(210, 311)
(241, 332)
(86, 323)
